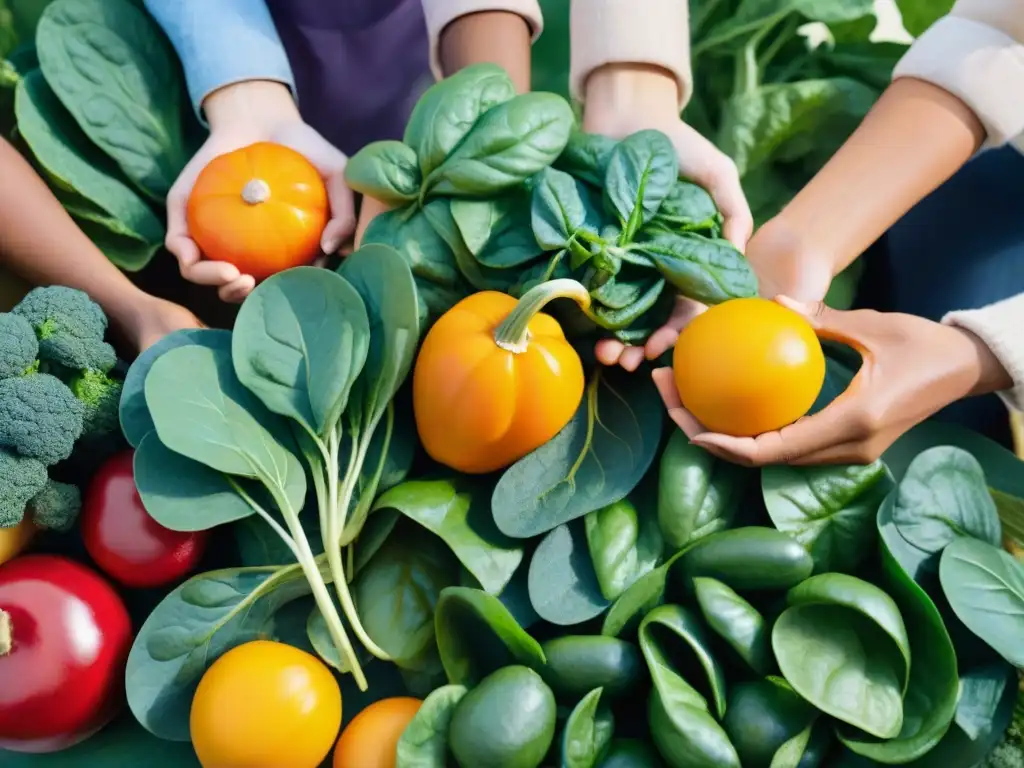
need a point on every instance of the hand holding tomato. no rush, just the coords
(911, 368)
(241, 115)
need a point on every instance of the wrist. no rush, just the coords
(985, 373)
(622, 89)
(249, 103)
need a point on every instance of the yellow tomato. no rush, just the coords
(265, 705)
(371, 739)
(748, 366)
(14, 539)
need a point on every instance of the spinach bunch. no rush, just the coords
(231, 424)
(494, 191)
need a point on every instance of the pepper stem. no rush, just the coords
(513, 334)
(6, 633)
(256, 191)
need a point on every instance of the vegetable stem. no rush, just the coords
(321, 596)
(513, 334)
(6, 633)
(256, 191)
(267, 517)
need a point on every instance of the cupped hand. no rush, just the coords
(259, 112)
(621, 100)
(911, 368)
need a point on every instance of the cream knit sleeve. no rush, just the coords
(632, 32)
(441, 13)
(976, 52)
(1001, 327)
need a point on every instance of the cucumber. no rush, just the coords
(751, 559)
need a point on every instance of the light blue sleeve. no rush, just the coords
(221, 42)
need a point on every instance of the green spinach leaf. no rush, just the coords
(683, 728)
(931, 698)
(457, 510)
(448, 110)
(588, 733)
(736, 621)
(136, 421)
(687, 207)
(202, 412)
(943, 497)
(642, 169)
(563, 586)
(386, 170)
(557, 210)
(586, 157)
(71, 161)
(598, 458)
(191, 628)
(300, 341)
(985, 588)
(697, 493)
(507, 145)
(424, 742)
(576, 664)
(439, 214)
(476, 635)
(830, 510)
(624, 544)
(116, 74)
(397, 591)
(408, 231)
(709, 271)
(497, 231)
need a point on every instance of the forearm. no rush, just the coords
(914, 138)
(41, 243)
(497, 37)
(222, 43)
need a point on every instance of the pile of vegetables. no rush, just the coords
(503, 194)
(55, 389)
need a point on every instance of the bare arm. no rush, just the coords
(498, 37)
(915, 137)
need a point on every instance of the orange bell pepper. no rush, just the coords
(496, 378)
(14, 539)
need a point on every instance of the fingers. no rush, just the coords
(854, 328)
(236, 291)
(795, 444)
(665, 337)
(216, 273)
(608, 351)
(665, 381)
(178, 241)
(343, 216)
(631, 358)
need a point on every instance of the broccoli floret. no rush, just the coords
(39, 417)
(56, 507)
(21, 478)
(101, 396)
(1007, 754)
(69, 326)
(18, 345)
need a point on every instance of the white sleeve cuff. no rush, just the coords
(979, 64)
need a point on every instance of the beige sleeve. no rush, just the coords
(976, 53)
(441, 13)
(630, 31)
(1001, 327)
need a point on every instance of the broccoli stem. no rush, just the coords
(6, 633)
(338, 506)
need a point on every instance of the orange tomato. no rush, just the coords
(265, 705)
(495, 378)
(262, 208)
(748, 366)
(15, 538)
(371, 739)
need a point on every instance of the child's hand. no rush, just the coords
(152, 318)
(241, 115)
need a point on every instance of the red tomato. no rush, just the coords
(126, 543)
(64, 642)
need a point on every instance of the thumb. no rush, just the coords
(846, 327)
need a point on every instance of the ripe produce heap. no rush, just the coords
(559, 577)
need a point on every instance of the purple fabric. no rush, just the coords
(359, 65)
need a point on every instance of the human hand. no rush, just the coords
(911, 368)
(241, 115)
(622, 99)
(148, 319)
